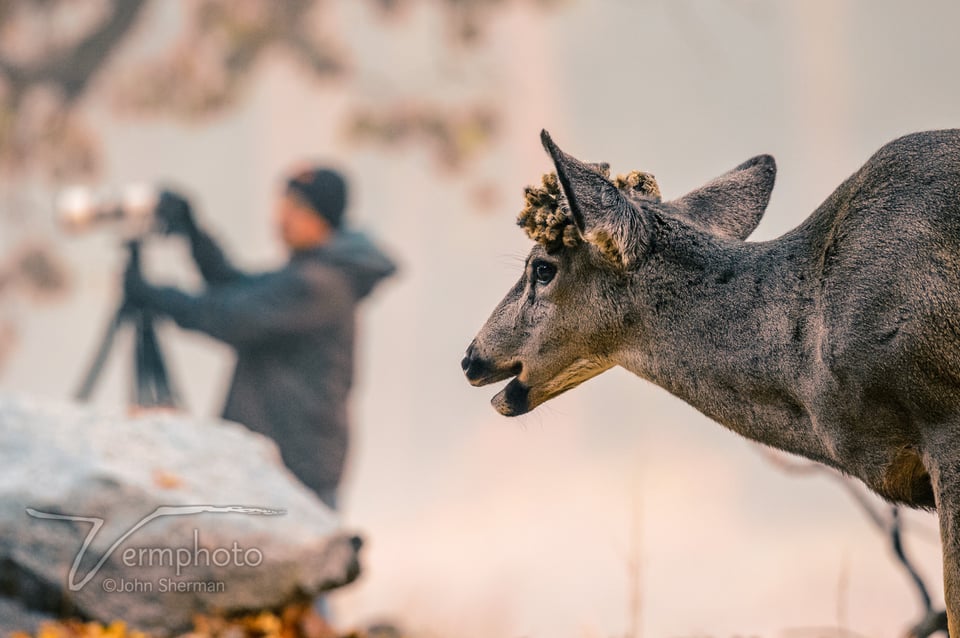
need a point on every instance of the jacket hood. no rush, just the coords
(357, 256)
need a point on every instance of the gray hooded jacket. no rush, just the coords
(293, 331)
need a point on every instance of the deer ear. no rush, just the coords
(604, 217)
(732, 204)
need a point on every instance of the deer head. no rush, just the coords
(588, 285)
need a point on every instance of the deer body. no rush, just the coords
(839, 341)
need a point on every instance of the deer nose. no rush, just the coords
(478, 371)
(465, 363)
(470, 359)
(473, 365)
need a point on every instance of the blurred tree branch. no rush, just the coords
(452, 135)
(466, 17)
(888, 522)
(205, 69)
(70, 69)
(202, 71)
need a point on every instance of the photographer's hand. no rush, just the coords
(175, 215)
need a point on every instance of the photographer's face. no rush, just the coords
(300, 227)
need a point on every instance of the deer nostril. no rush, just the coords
(471, 355)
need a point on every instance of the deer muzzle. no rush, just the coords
(480, 370)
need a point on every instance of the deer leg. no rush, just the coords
(944, 467)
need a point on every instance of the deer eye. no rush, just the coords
(544, 272)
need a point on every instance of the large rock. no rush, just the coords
(15, 617)
(197, 516)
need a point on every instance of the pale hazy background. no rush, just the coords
(479, 526)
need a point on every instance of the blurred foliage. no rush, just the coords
(57, 56)
(466, 17)
(294, 621)
(452, 136)
(208, 66)
(52, 52)
(33, 272)
(77, 629)
(49, 53)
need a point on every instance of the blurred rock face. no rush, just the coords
(154, 519)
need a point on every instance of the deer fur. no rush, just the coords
(838, 341)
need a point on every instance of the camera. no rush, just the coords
(132, 209)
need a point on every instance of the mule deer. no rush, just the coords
(839, 341)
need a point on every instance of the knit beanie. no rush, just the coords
(324, 190)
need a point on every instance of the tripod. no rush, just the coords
(151, 384)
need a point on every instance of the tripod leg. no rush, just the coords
(142, 388)
(155, 366)
(85, 391)
(150, 387)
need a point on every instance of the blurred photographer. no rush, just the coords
(292, 329)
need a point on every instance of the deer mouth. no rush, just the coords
(520, 396)
(480, 372)
(513, 400)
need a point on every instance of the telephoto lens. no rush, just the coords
(132, 209)
(76, 208)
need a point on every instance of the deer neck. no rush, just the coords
(731, 334)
